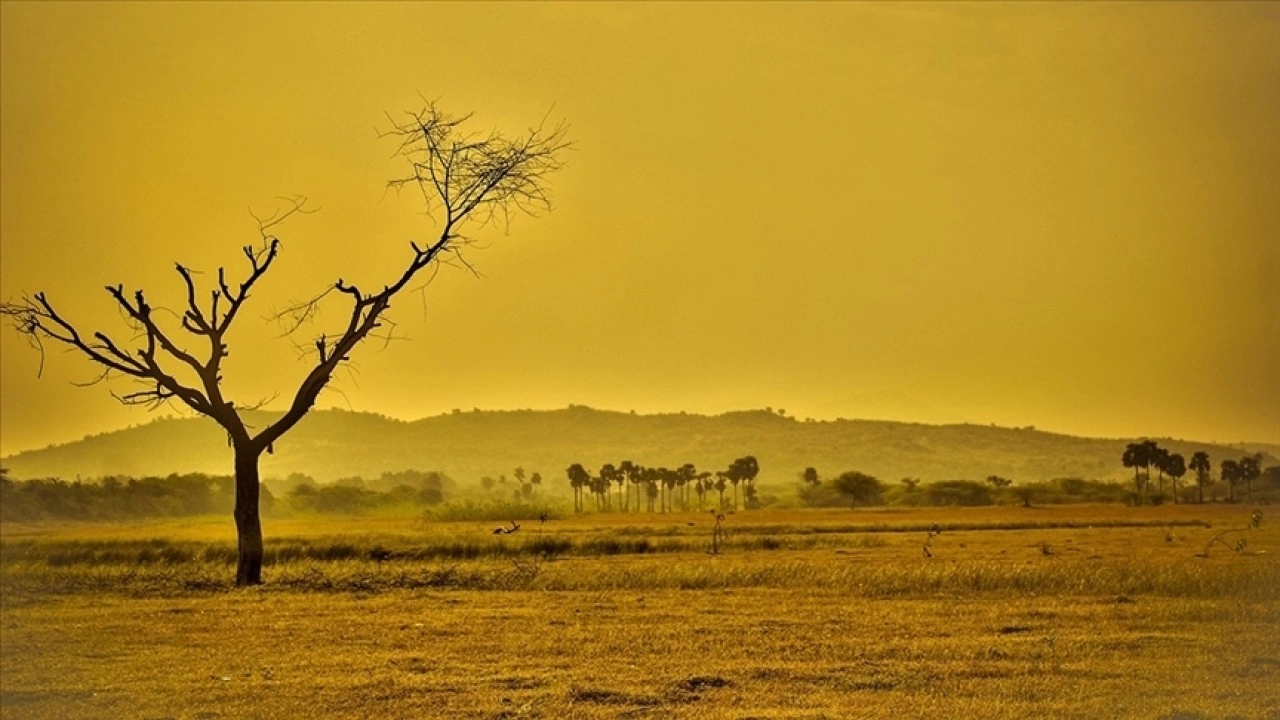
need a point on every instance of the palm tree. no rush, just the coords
(743, 470)
(1202, 467)
(702, 486)
(810, 477)
(651, 486)
(1250, 468)
(601, 487)
(578, 478)
(607, 475)
(636, 477)
(1160, 460)
(669, 478)
(748, 469)
(1136, 456)
(720, 485)
(1229, 471)
(1176, 466)
(625, 471)
(652, 477)
(687, 473)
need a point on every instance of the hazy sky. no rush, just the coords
(1065, 215)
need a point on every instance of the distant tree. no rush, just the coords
(668, 478)
(1176, 466)
(911, 484)
(964, 493)
(1203, 468)
(1160, 460)
(626, 469)
(749, 469)
(600, 487)
(466, 180)
(519, 474)
(487, 482)
(651, 486)
(1271, 477)
(859, 488)
(608, 473)
(702, 485)
(1135, 456)
(686, 475)
(636, 480)
(1139, 456)
(536, 480)
(998, 482)
(1152, 451)
(743, 470)
(579, 478)
(6, 491)
(721, 485)
(810, 491)
(295, 479)
(1250, 467)
(1026, 493)
(1229, 471)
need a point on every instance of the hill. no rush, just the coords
(331, 444)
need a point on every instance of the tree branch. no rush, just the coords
(471, 179)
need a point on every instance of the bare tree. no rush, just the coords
(467, 181)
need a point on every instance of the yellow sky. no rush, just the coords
(1065, 215)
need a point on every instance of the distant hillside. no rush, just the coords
(467, 445)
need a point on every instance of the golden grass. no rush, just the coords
(838, 615)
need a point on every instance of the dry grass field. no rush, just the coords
(1064, 612)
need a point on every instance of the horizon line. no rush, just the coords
(779, 413)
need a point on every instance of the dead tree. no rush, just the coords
(467, 181)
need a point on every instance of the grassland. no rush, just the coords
(1064, 612)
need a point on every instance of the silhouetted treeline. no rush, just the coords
(127, 498)
(355, 495)
(855, 489)
(119, 498)
(1237, 476)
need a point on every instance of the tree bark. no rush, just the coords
(248, 522)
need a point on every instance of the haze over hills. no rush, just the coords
(330, 444)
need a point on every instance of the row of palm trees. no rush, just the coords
(666, 487)
(1147, 454)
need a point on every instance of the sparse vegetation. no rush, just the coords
(1008, 601)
